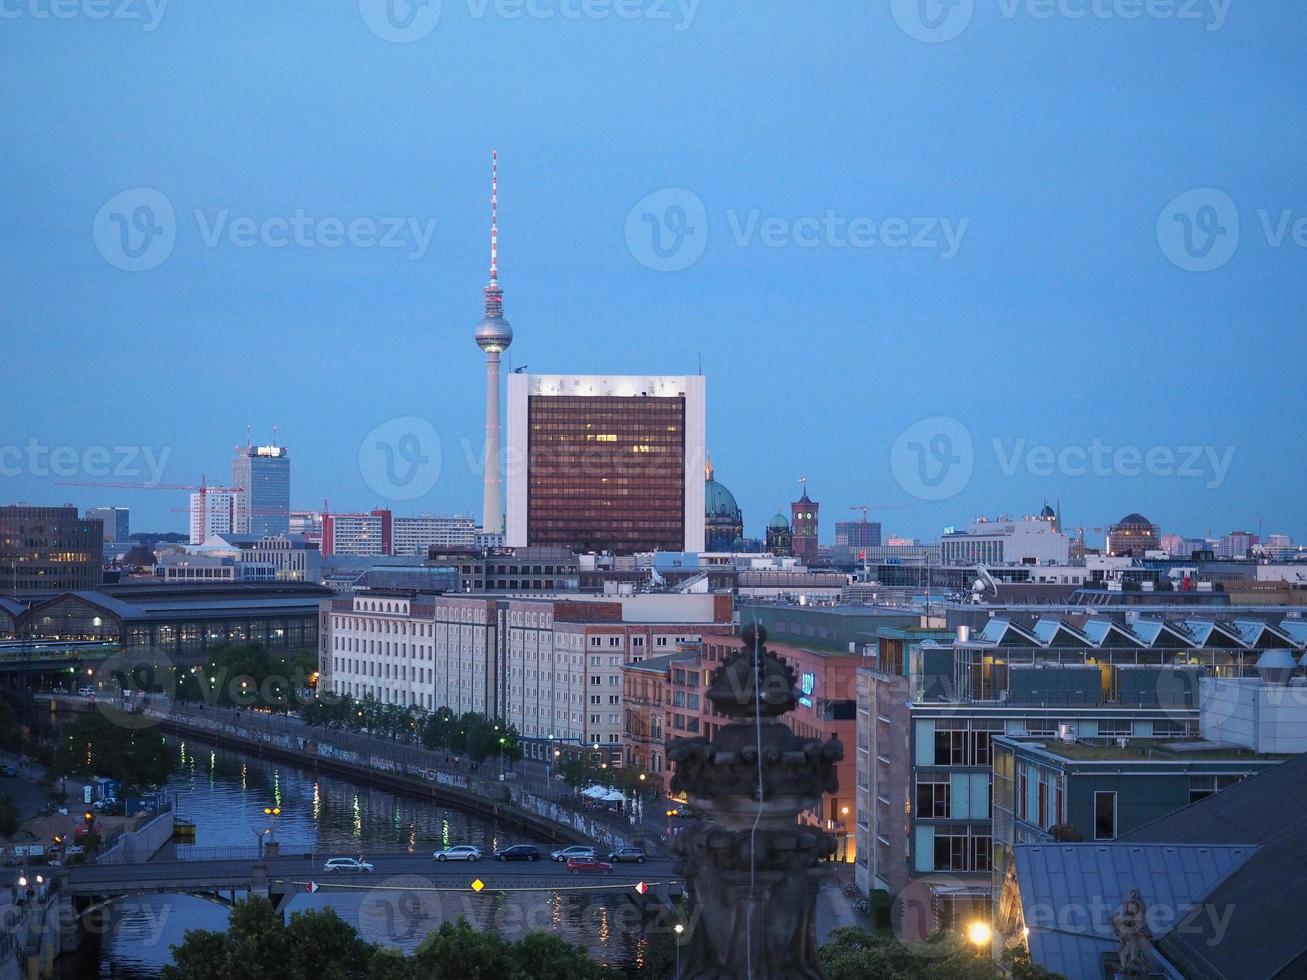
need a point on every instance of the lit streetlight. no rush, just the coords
(980, 934)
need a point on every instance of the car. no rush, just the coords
(518, 852)
(353, 865)
(86, 692)
(459, 852)
(576, 851)
(584, 864)
(684, 811)
(627, 854)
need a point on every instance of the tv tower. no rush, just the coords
(493, 335)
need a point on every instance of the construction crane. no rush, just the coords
(203, 489)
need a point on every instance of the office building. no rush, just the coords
(418, 535)
(514, 570)
(606, 463)
(803, 527)
(45, 549)
(1093, 678)
(289, 558)
(212, 512)
(261, 475)
(1005, 541)
(857, 535)
(116, 521)
(365, 535)
(1236, 544)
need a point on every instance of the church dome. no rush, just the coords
(778, 523)
(719, 502)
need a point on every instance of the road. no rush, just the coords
(206, 875)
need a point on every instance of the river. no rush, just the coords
(225, 792)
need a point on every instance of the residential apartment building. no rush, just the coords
(418, 535)
(364, 535)
(552, 666)
(212, 512)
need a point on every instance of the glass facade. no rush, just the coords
(262, 473)
(606, 473)
(48, 549)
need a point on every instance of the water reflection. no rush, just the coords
(224, 793)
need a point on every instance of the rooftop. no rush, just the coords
(1136, 750)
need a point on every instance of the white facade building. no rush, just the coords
(1026, 541)
(414, 535)
(212, 512)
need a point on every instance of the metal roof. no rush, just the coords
(1070, 891)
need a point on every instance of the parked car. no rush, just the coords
(86, 692)
(684, 811)
(584, 864)
(459, 852)
(576, 851)
(353, 865)
(627, 854)
(518, 852)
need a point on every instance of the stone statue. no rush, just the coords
(1136, 939)
(752, 869)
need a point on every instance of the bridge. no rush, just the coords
(279, 878)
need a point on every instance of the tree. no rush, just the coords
(323, 946)
(854, 954)
(439, 728)
(10, 820)
(542, 956)
(459, 952)
(95, 746)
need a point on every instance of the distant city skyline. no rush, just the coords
(299, 276)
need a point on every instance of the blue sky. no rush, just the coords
(884, 242)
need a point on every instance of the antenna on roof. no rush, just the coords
(248, 443)
(494, 215)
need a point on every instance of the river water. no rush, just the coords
(224, 793)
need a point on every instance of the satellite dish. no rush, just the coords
(983, 585)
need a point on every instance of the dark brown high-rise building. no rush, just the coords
(48, 549)
(606, 463)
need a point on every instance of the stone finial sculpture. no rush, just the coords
(752, 868)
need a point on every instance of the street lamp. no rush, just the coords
(678, 929)
(980, 934)
(272, 813)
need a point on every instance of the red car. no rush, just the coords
(587, 864)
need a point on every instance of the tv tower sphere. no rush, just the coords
(494, 334)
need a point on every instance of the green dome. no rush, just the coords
(778, 523)
(719, 502)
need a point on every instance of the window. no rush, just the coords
(933, 796)
(1105, 815)
(1201, 787)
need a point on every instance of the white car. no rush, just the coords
(86, 692)
(459, 852)
(347, 864)
(576, 851)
